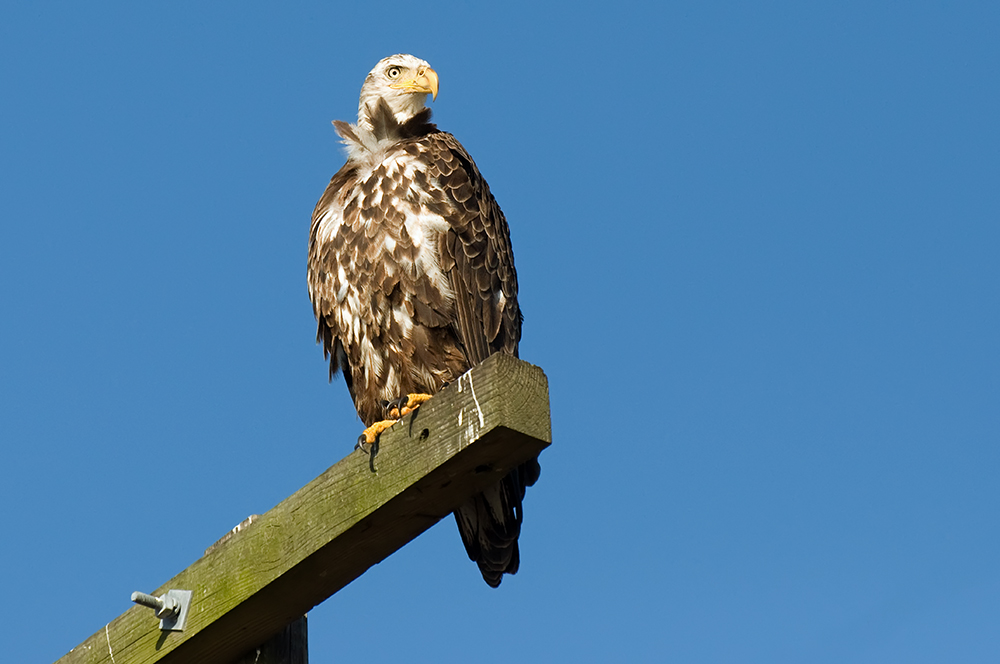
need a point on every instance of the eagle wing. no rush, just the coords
(326, 245)
(476, 254)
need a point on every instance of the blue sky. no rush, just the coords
(757, 248)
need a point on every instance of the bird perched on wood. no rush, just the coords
(411, 276)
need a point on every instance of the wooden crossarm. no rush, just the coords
(271, 572)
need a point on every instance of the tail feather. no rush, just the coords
(490, 523)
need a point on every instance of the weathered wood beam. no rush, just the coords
(329, 532)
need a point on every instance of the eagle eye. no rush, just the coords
(392, 72)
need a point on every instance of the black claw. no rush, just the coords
(413, 419)
(395, 404)
(371, 459)
(371, 451)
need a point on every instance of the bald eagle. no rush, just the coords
(412, 281)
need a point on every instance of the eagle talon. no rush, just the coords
(371, 450)
(393, 407)
(371, 458)
(370, 437)
(404, 405)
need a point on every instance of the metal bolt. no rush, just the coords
(171, 607)
(165, 606)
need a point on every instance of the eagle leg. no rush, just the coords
(404, 405)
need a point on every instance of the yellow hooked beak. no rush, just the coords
(425, 81)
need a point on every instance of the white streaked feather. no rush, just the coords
(330, 223)
(404, 321)
(371, 359)
(342, 280)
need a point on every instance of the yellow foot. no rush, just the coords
(369, 437)
(371, 434)
(405, 405)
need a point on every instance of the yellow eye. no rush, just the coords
(392, 72)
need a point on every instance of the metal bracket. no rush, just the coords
(171, 608)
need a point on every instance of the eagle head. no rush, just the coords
(403, 81)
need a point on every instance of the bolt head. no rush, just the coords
(171, 607)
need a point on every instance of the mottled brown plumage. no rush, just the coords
(412, 278)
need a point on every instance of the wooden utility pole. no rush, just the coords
(263, 578)
(289, 646)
